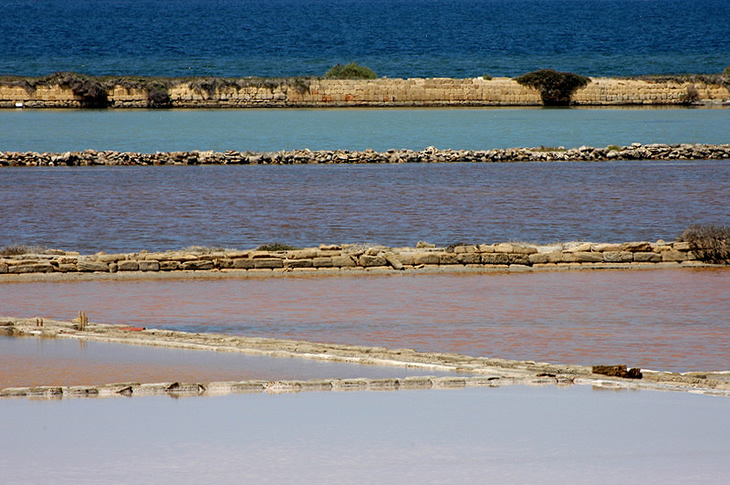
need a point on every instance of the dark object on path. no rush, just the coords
(618, 371)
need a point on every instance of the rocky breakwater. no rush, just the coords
(354, 258)
(635, 151)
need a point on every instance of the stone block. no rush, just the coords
(367, 261)
(519, 259)
(538, 258)
(393, 261)
(449, 258)
(243, 263)
(495, 258)
(682, 246)
(343, 261)
(198, 265)
(38, 267)
(470, 258)
(587, 257)
(322, 262)
(127, 266)
(647, 257)
(635, 247)
(426, 258)
(308, 253)
(268, 263)
(618, 256)
(673, 255)
(297, 263)
(169, 265)
(83, 265)
(149, 265)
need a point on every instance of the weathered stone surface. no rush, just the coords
(618, 256)
(170, 265)
(127, 266)
(84, 265)
(635, 247)
(495, 258)
(309, 253)
(606, 247)
(149, 265)
(198, 265)
(673, 255)
(682, 246)
(469, 258)
(647, 257)
(587, 257)
(538, 258)
(38, 267)
(322, 262)
(343, 261)
(367, 261)
(449, 258)
(268, 263)
(393, 260)
(296, 263)
(426, 258)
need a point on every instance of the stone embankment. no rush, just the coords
(635, 151)
(317, 92)
(477, 371)
(353, 258)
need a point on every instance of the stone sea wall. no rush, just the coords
(315, 92)
(474, 371)
(355, 258)
(635, 151)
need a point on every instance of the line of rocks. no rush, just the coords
(477, 371)
(635, 151)
(357, 258)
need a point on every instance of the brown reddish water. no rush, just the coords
(656, 319)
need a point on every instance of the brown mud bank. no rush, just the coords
(635, 151)
(351, 259)
(72, 90)
(478, 371)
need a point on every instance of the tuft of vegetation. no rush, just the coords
(692, 96)
(277, 247)
(487, 77)
(711, 243)
(20, 249)
(158, 96)
(556, 88)
(613, 148)
(350, 71)
(543, 148)
(92, 90)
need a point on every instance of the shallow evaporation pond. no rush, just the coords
(655, 319)
(31, 361)
(514, 434)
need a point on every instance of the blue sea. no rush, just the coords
(396, 38)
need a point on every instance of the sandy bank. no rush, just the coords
(478, 371)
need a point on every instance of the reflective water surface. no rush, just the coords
(502, 435)
(121, 209)
(60, 362)
(656, 319)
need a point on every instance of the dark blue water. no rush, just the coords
(396, 38)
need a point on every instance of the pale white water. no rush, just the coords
(479, 435)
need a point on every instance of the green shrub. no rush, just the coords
(709, 242)
(91, 89)
(158, 97)
(350, 71)
(692, 96)
(556, 88)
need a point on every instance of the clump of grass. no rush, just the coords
(350, 71)
(543, 148)
(613, 148)
(556, 88)
(277, 247)
(709, 242)
(20, 249)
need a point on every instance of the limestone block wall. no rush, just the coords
(355, 258)
(375, 92)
